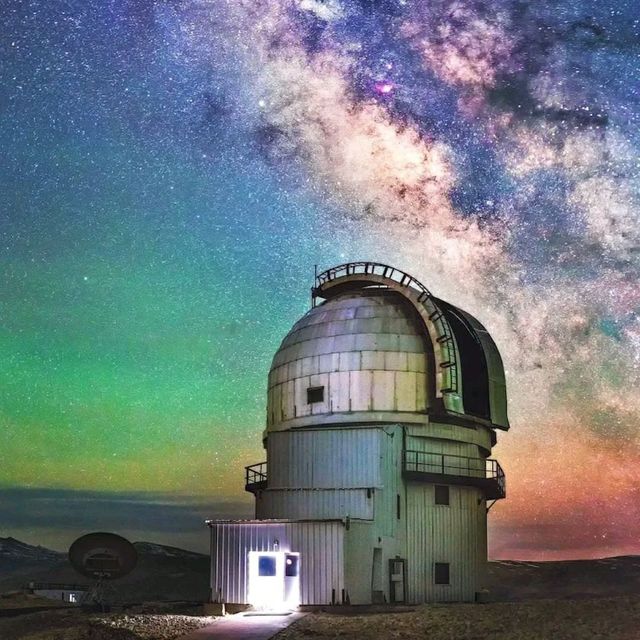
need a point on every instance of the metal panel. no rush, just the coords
(309, 365)
(450, 447)
(328, 362)
(288, 405)
(321, 548)
(339, 391)
(302, 407)
(275, 408)
(392, 484)
(404, 383)
(360, 386)
(417, 362)
(338, 343)
(480, 436)
(383, 391)
(421, 392)
(349, 361)
(315, 503)
(405, 390)
(374, 359)
(324, 458)
(294, 368)
(337, 327)
(395, 361)
(455, 534)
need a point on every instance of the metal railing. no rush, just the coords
(60, 586)
(255, 476)
(373, 268)
(479, 471)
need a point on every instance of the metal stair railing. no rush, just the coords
(446, 340)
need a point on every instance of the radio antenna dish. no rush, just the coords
(103, 557)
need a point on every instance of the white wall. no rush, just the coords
(456, 534)
(320, 544)
(60, 594)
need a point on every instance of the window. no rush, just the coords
(291, 566)
(442, 494)
(442, 573)
(315, 394)
(266, 566)
(398, 506)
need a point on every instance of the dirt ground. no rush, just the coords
(72, 624)
(597, 619)
(586, 619)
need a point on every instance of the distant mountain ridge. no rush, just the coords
(153, 548)
(15, 554)
(561, 579)
(162, 573)
(13, 548)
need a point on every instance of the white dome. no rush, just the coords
(382, 348)
(363, 352)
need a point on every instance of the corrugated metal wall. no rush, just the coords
(387, 522)
(321, 548)
(324, 458)
(450, 447)
(300, 504)
(455, 534)
(480, 436)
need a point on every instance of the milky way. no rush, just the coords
(490, 149)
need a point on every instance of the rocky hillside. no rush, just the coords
(514, 580)
(16, 555)
(162, 572)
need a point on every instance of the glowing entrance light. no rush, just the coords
(274, 580)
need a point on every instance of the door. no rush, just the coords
(377, 588)
(274, 579)
(397, 580)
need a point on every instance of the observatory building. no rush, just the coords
(383, 405)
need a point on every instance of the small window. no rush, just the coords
(442, 494)
(442, 573)
(266, 566)
(398, 506)
(291, 566)
(315, 394)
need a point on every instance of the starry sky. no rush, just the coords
(172, 170)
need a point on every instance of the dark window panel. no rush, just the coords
(442, 573)
(315, 394)
(442, 494)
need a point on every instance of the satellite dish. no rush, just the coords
(105, 556)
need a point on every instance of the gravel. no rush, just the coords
(74, 625)
(154, 627)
